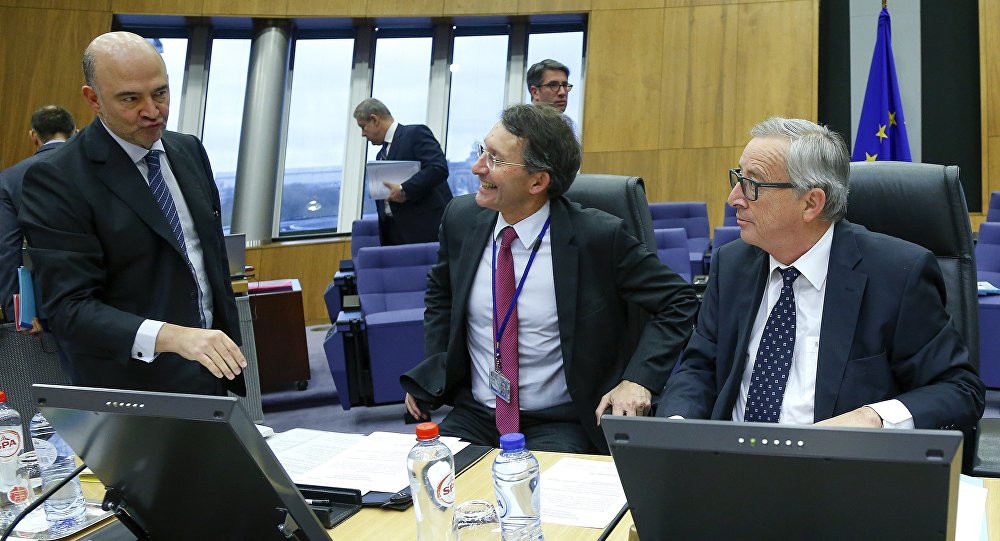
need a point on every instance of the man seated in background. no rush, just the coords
(525, 326)
(810, 318)
(412, 211)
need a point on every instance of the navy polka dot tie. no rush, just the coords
(774, 356)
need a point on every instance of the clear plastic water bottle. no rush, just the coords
(12, 495)
(515, 480)
(432, 485)
(29, 475)
(65, 509)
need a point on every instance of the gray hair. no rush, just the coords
(535, 72)
(369, 107)
(817, 158)
(548, 143)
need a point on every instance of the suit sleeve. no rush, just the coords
(433, 165)
(928, 357)
(68, 263)
(10, 248)
(671, 302)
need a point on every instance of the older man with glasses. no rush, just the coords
(812, 319)
(524, 329)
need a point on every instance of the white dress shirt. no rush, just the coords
(542, 381)
(798, 404)
(144, 346)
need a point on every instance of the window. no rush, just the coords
(227, 83)
(174, 53)
(566, 47)
(314, 150)
(478, 74)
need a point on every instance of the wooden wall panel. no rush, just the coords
(528, 7)
(697, 174)
(618, 4)
(699, 76)
(475, 7)
(313, 263)
(246, 8)
(642, 163)
(624, 59)
(326, 8)
(776, 66)
(158, 7)
(40, 65)
(75, 5)
(989, 69)
(405, 8)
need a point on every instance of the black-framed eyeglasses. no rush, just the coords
(556, 85)
(492, 161)
(750, 186)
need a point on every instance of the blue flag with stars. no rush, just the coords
(882, 130)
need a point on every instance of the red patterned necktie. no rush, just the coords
(507, 412)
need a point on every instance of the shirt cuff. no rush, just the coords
(144, 346)
(894, 414)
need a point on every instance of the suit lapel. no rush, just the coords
(745, 309)
(468, 263)
(123, 179)
(565, 262)
(397, 137)
(844, 289)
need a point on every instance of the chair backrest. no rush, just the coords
(729, 218)
(624, 197)
(672, 249)
(988, 253)
(690, 215)
(364, 233)
(394, 277)
(993, 212)
(724, 235)
(924, 204)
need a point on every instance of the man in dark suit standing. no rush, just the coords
(124, 230)
(809, 318)
(412, 211)
(546, 357)
(51, 126)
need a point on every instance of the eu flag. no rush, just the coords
(882, 130)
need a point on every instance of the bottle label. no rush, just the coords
(18, 494)
(10, 443)
(442, 477)
(46, 452)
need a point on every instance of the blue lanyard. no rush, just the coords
(517, 293)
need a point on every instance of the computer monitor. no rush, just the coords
(687, 479)
(236, 254)
(180, 466)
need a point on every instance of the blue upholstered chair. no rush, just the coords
(729, 218)
(672, 249)
(993, 212)
(692, 216)
(364, 233)
(988, 253)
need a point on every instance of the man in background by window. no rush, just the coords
(412, 211)
(548, 83)
(124, 231)
(51, 126)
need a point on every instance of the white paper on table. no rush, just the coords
(376, 462)
(395, 171)
(581, 492)
(970, 523)
(301, 450)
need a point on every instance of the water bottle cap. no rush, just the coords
(3, 396)
(512, 441)
(426, 431)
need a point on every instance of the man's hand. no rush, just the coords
(210, 347)
(627, 398)
(396, 193)
(413, 406)
(863, 417)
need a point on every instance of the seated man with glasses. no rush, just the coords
(812, 319)
(525, 326)
(548, 83)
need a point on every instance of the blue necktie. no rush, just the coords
(166, 202)
(774, 356)
(382, 153)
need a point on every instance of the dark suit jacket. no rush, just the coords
(885, 334)
(427, 192)
(105, 260)
(598, 268)
(11, 238)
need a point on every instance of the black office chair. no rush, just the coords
(624, 197)
(924, 204)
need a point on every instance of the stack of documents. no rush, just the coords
(392, 171)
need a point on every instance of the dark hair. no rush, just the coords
(536, 71)
(548, 143)
(51, 120)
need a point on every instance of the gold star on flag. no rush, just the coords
(870, 157)
(881, 133)
(892, 118)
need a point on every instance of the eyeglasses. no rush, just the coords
(555, 86)
(750, 186)
(492, 161)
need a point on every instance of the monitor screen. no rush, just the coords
(236, 253)
(184, 466)
(688, 479)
